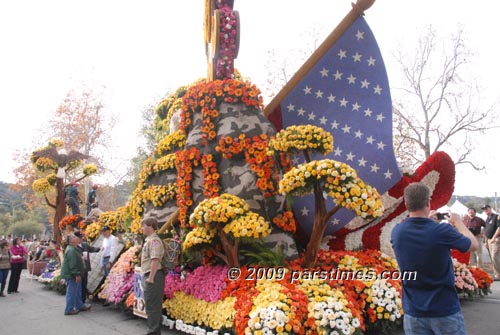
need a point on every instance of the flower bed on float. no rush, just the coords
(292, 300)
(342, 294)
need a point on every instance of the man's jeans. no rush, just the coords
(73, 295)
(105, 262)
(446, 325)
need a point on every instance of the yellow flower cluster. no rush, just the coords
(298, 138)
(56, 143)
(89, 169)
(159, 194)
(250, 225)
(219, 209)
(339, 181)
(136, 225)
(197, 236)
(190, 310)
(41, 185)
(44, 164)
(114, 219)
(164, 163)
(170, 142)
(93, 230)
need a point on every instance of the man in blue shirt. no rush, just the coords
(423, 245)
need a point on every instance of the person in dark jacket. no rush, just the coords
(73, 198)
(85, 249)
(71, 271)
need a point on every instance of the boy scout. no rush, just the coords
(154, 275)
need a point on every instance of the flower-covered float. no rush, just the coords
(222, 181)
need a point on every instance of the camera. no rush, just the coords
(442, 216)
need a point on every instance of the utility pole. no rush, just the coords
(496, 207)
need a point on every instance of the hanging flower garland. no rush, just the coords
(255, 152)
(211, 176)
(185, 161)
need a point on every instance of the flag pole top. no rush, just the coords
(361, 5)
(356, 11)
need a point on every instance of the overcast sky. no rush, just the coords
(141, 49)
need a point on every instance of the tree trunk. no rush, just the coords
(319, 227)
(230, 249)
(60, 209)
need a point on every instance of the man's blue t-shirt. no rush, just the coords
(423, 245)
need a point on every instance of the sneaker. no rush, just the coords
(85, 307)
(73, 312)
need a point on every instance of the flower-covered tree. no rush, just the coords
(335, 179)
(230, 219)
(53, 163)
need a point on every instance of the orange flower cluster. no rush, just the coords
(255, 151)
(206, 96)
(184, 162)
(286, 221)
(482, 278)
(244, 291)
(210, 177)
(72, 220)
(129, 303)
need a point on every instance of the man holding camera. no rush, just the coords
(423, 245)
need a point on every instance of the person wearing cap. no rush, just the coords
(492, 238)
(94, 213)
(422, 246)
(71, 272)
(92, 199)
(85, 249)
(110, 249)
(475, 224)
(154, 275)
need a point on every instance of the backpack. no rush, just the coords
(172, 252)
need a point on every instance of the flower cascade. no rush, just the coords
(120, 280)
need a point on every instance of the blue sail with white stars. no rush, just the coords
(347, 93)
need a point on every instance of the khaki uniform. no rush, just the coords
(153, 293)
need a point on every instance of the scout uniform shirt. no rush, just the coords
(153, 248)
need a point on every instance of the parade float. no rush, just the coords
(269, 230)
